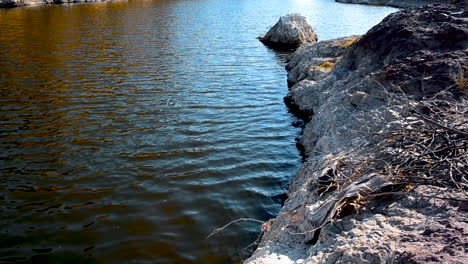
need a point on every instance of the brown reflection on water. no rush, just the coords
(65, 86)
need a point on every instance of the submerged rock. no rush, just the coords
(341, 206)
(289, 32)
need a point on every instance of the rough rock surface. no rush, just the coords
(16, 3)
(410, 57)
(289, 32)
(401, 3)
(314, 61)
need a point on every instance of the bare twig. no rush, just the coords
(435, 123)
(419, 195)
(217, 230)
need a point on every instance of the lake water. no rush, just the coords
(131, 130)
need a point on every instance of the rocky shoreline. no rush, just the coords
(392, 3)
(400, 3)
(386, 141)
(18, 3)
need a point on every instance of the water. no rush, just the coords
(130, 130)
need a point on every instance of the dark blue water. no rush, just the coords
(130, 130)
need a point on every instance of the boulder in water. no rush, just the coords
(289, 32)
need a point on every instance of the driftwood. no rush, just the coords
(315, 217)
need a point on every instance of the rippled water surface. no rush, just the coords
(130, 130)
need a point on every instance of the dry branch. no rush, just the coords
(217, 230)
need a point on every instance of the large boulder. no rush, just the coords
(289, 32)
(402, 3)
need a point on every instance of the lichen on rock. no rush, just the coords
(314, 61)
